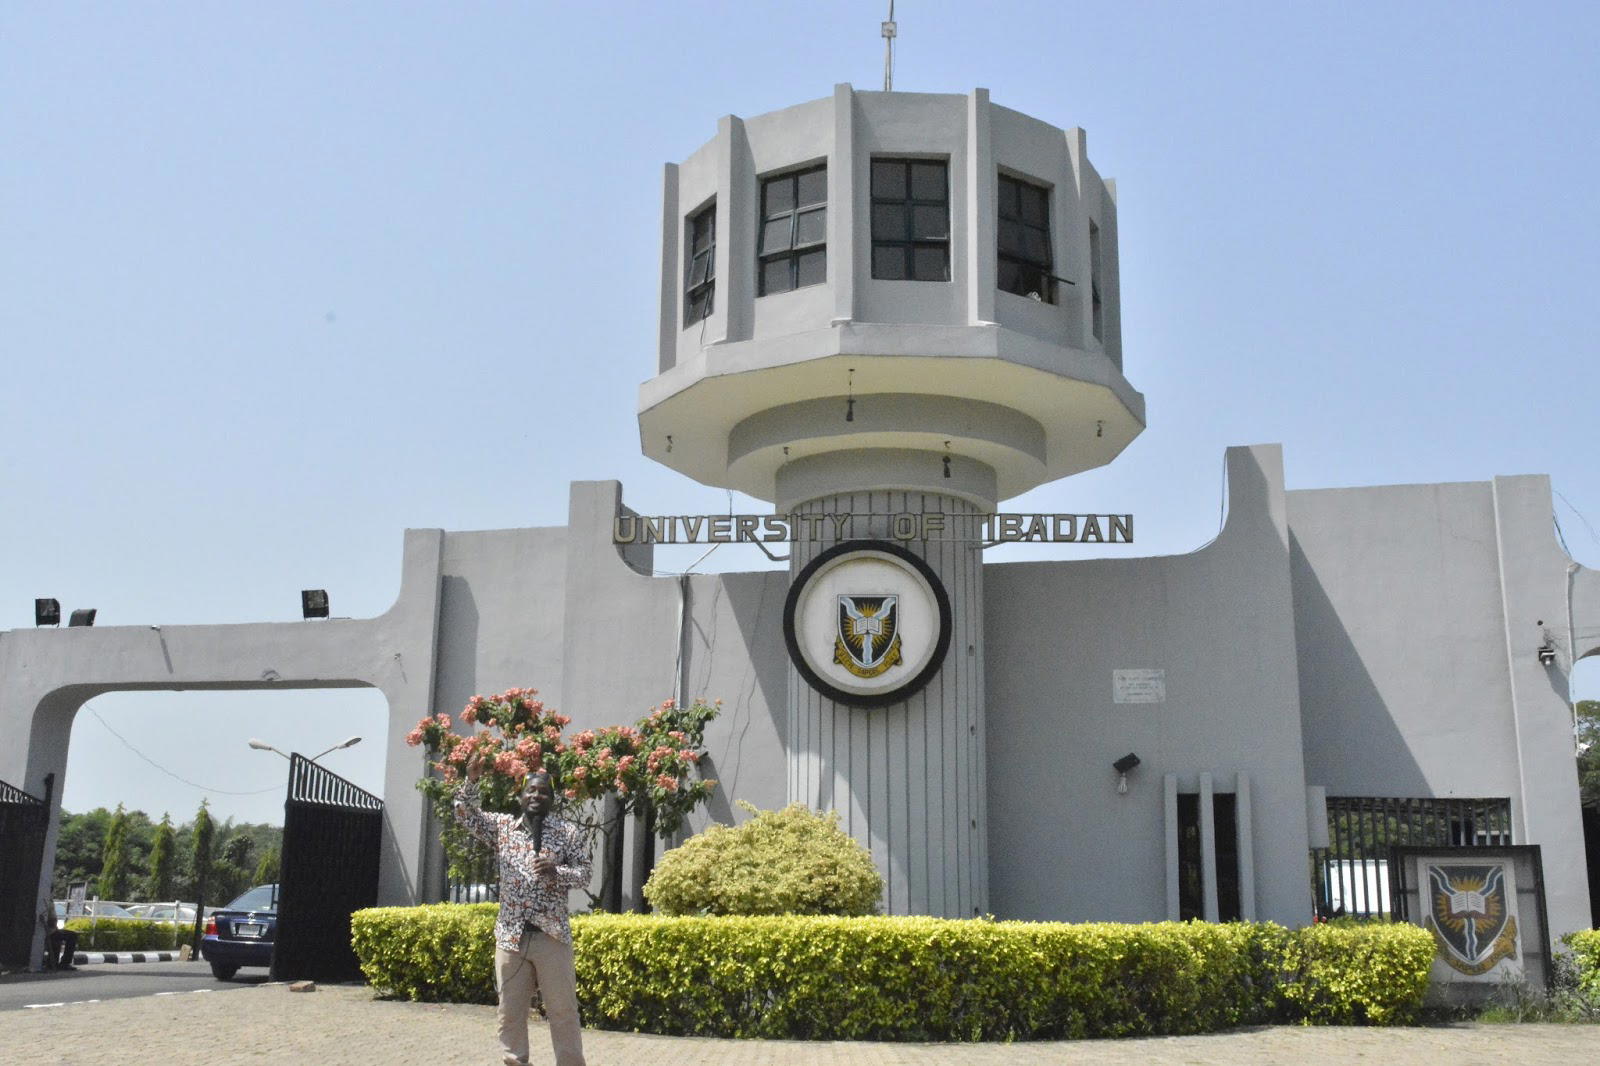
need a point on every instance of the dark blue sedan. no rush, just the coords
(242, 933)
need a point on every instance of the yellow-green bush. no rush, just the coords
(1374, 973)
(876, 978)
(440, 952)
(1585, 947)
(123, 934)
(791, 861)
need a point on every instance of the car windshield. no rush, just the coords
(260, 898)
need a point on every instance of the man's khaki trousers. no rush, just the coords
(541, 964)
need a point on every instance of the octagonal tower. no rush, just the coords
(883, 302)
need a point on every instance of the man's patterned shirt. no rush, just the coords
(524, 897)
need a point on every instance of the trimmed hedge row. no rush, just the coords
(123, 934)
(876, 978)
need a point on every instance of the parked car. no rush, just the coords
(163, 912)
(98, 907)
(242, 933)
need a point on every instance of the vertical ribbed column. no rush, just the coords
(908, 779)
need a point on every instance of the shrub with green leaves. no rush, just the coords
(440, 952)
(791, 861)
(124, 934)
(906, 978)
(1585, 946)
(1374, 973)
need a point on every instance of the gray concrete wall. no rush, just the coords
(1064, 844)
(1419, 610)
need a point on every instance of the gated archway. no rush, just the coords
(332, 834)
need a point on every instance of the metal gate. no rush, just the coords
(1351, 875)
(23, 821)
(332, 832)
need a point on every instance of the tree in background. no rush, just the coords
(267, 869)
(114, 859)
(1588, 735)
(201, 840)
(158, 885)
(230, 874)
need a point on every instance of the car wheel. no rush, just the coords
(222, 971)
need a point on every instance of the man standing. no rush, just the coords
(542, 856)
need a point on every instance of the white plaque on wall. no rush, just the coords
(1139, 686)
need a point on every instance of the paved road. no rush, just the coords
(103, 981)
(346, 1026)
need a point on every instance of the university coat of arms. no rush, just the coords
(1470, 916)
(868, 638)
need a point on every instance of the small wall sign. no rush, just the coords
(1139, 686)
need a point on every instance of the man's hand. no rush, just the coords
(544, 865)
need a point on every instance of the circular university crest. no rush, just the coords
(867, 623)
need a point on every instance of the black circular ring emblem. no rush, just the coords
(867, 646)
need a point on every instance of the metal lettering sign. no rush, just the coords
(896, 526)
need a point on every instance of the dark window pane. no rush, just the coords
(928, 181)
(1190, 892)
(775, 275)
(889, 262)
(1010, 195)
(813, 268)
(703, 229)
(1034, 204)
(1008, 276)
(1011, 239)
(1225, 815)
(777, 195)
(775, 235)
(930, 263)
(889, 180)
(1037, 246)
(814, 187)
(889, 222)
(812, 227)
(700, 269)
(698, 306)
(930, 223)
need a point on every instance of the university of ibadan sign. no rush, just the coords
(900, 526)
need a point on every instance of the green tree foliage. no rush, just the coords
(113, 883)
(793, 861)
(158, 884)
(1588, 727)
(201, 850)
(267, 869)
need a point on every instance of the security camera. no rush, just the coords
(1126, 763)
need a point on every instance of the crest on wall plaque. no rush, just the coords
(1484, 906)
(867, 623)
(867, 642)
(1470, 915)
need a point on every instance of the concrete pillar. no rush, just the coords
(908, 779)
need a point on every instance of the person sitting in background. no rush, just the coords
(60, 945)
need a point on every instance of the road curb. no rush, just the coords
(85, 958)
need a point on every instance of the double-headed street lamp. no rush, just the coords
(261, 745)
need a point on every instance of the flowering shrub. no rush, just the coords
(648, 766)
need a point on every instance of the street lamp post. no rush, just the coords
(261, 745)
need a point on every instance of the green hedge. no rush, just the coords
(123, 934)
(1585, 947)
(876, 978)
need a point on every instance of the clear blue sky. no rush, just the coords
(279, 281)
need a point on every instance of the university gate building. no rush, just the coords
(886, 314)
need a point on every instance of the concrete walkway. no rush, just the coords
(346, 1026)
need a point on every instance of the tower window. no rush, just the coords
(794, 231)
(699, 277)
(1025, 266)
(1097, 307)
(911, 219)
